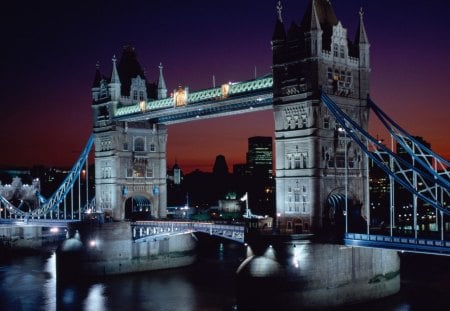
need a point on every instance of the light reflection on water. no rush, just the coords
(29, 283)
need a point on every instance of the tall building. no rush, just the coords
(259, 155)
(315, 160)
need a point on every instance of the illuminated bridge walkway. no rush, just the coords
(229, 99)
(143, 230)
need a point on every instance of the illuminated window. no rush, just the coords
(142, 106)
(180, 97)
(139, 172)
(225, 89)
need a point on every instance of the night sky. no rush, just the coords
(50, 48)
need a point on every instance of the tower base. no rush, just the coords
(297, 273)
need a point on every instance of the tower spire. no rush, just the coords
(279, 10)
(279, 33)
(315, 23)
(114, 84)
(114, 74)
(98, 76)
(361, 33)
(162, 89)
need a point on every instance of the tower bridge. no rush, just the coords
(318, 91)
(319, 94)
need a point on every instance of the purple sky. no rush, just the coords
(49, 51)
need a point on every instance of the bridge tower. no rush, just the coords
(130, 157)
(317, 165)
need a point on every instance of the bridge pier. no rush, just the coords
(300, 272)
(109, 249)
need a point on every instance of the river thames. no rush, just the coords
(29, 283)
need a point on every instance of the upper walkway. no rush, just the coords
(229, 99)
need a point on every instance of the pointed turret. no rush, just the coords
(326, 19)
(279, 33)
(314, 23)
(162, 89)
(313, 31)
(98, 76)
(114, 85)
(362, 42)
(96, 83)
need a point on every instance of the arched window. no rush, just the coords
(139, 144)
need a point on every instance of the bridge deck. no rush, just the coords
(407, 244)
(143, 230)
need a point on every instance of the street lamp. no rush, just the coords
(342, 130)
(278, 221)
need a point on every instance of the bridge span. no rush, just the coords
(143, 230)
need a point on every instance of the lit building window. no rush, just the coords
(180, 97)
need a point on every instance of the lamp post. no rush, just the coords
(278, 221)
(342, 130)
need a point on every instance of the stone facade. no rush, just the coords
(311, 149)
(130, 157)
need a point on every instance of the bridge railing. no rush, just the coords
(410, 244)
(144, 229)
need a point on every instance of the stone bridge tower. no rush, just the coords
(130, 157)
(311, 149)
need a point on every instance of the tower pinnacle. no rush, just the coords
(162, 89)
(114, 74)
(115, 84)
(361, 33)
(279, 10)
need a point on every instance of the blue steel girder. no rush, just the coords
(67, 185)
(429, 160)
(11, 208)
(401, 171)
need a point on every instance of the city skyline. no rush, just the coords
(49, 62)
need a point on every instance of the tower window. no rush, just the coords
(335, 50)
(135, 95)
(152, 148)
(342, 52)
(139, 144)
(303, 120)
(326, 122)
(297, 161)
